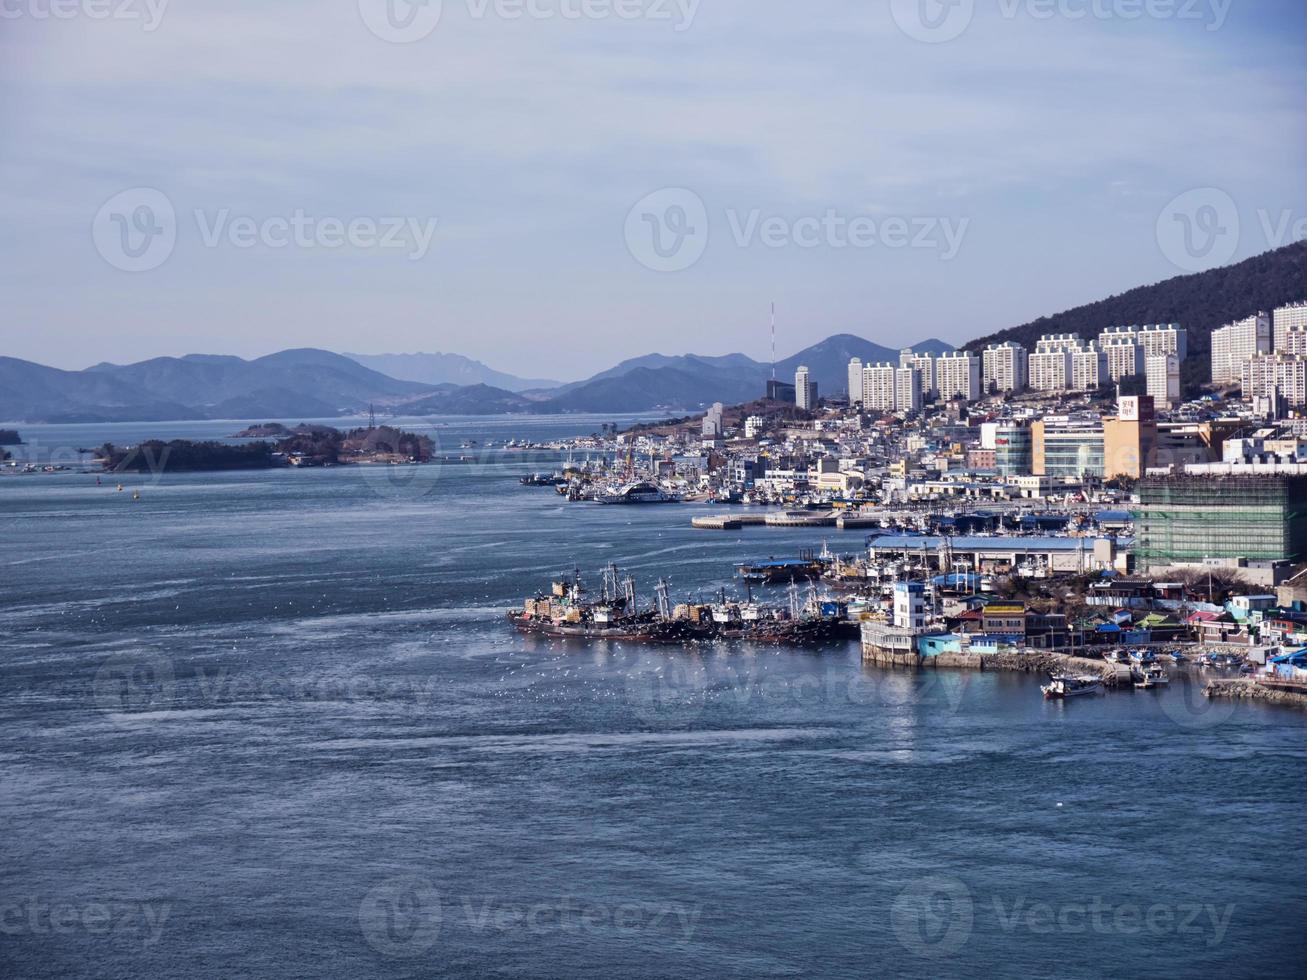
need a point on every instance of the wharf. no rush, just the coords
(728, 522)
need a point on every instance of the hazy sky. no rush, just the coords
(899, 170)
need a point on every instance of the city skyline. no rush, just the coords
(874, 189)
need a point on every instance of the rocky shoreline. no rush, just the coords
(1242, 688)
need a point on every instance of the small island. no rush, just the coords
(10, 437)
(305, 445)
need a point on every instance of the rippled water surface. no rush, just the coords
(275, 724)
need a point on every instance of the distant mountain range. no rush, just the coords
(438, 369)
(301, 383)
(308, 383)
(1200, 303)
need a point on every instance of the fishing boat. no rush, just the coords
(542, 480)
(1143, 656)
(1063, 686)
(1150, 678)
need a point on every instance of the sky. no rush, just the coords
(551, 186)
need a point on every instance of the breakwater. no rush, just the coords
(1251, 690)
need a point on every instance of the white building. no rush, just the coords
(925, 364)
(878, 381)
(1163, 338)
(1285, 374)
(855, 380)
(1287, 318)
(1089, 368)
(1235, 343)
(1004, 367)
(1295, 342)
(753, 426)
(712, 422)
(805, 389)
(1162, 373)
(907, 389)
(1050, 364)
(957, 373)
(1125, 357)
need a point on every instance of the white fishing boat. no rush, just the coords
(1151, 677)
(1062, 686)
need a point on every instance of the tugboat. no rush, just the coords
(1062, 686)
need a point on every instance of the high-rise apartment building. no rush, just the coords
(1089, 368)
(1285, 374)
(1283, 320)
(907, 389)
(1237, 342)
(805, 389)
(957, 374)
(878, 382)
(924, 363)
(1004, 367)
(1162, 375)
(855, 380)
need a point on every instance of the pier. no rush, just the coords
(728, 522)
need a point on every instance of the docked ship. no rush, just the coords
(641, 492)
(543, 480)
(569, 612)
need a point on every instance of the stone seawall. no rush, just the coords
(1032, 662)
(1252, 691)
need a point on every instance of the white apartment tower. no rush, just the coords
(1235, 343)
(1164, 338)
(1162, 374)
(1003, 367)
(957, 373)
(925, 363)
(878, 382)
(1125, 356)
(1284, 374)
(1050, 364)
(1286, 319)
(1089, 368)
(805, 390)
(907, 389)
(855, 380)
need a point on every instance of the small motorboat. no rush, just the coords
(1062, 686)
(1150, 678)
